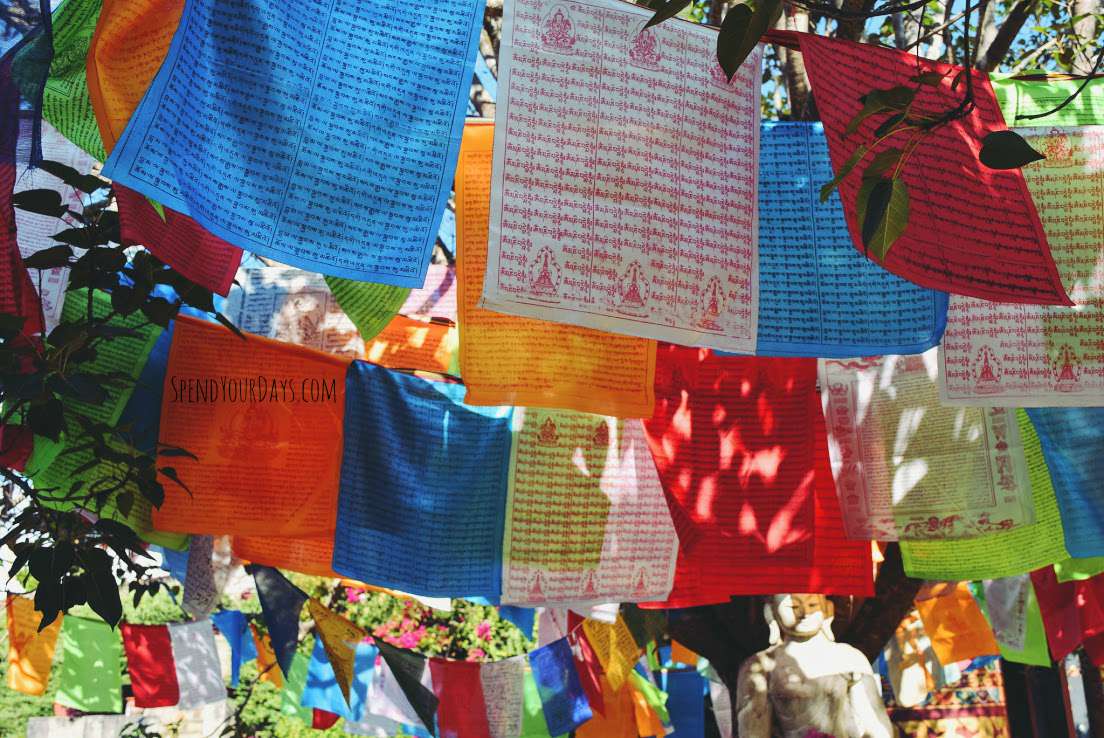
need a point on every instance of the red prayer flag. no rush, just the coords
(323, 720)
(1073, 612)
(462, 709)
(971, 230)
(177, 240)
(742, 452)
(151, 665)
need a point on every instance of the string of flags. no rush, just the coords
(653, 362)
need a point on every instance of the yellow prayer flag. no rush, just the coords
(30, 653)
(955, 624)
(340, 637)
(266, 659)
(615, 648)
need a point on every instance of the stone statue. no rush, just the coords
(805, 685)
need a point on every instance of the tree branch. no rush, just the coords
(990, 56)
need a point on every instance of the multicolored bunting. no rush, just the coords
(1005, 553)
(149, 655)
(1073, 444)
(812, 280)
(435, 527)
(281, 602)
(90, 678)
(1005, 259)
(510, 360)
(461, 704)
(1070, 611)
(30, 650)
(262, 417)
(741, 449)
(907, 467)
(561, 694)
(321, 156)
(235, 628)
(340, 637)
(198, 670)
(955, 624)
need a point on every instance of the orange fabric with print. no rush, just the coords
(265, 419)
(680, 654)
(303, 555)
(955, 624)
(406, 343)
(647, 721)
(267, 667)
(619, 718)
(131, 40)
(30, 653)
(509, 360)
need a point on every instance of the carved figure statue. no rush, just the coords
(805, 684)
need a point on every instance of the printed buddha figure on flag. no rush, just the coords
(559, 31)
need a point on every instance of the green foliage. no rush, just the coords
(1007, 150)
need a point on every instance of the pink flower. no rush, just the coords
(407, 624)
(353, 595)
(408, 640)
(476, 653)
(483, 630)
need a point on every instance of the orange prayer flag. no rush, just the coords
(680, 654)
(265, 419)
(30, 653)
(340, 637)
(619, 719)
(303, 555)
(510, 360)
(131, 40)
(648, 722)
(266, 659)
(406, 343)
(955, 624)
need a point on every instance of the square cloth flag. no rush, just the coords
(264, 418)
(91, 659)
(423, 486)
(741, 450)
(320, 179)
(968, 249)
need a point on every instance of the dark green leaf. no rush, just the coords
(665, 10)
(882, 162)
(125, 300)
(888, 124)
(55, 256)
(886, 216)
(125, 502)
(160, 311)
(855, 158)
(85, 387)
(83, 182)
(1007, 150)
(64, 334)
(740, 32)
(43, 202)
(170, 472)
(47, 418)
(198, 297)
(73, 592)
(108, 226)
(174, 452)
(154, 492)
(48, 600)
(100, 585)
(933, 79)
(896, 98)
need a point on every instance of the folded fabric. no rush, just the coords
(281, 603)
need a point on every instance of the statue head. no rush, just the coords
(801, 616)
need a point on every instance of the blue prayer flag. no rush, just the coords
(560, 689)
(281, 602)
(686, 690)
(423, 486)
(235, 629)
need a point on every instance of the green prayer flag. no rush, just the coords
(292, 694)
(91, 666)
(653, 695)
(1020, 97)
(65, 101)
(1072, 570)
(533, 724)
(1035, 651)
(1002, 554)
(369, 305)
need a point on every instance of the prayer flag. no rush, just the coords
(461, 707)
(233, 626)
(1002, 554)
(1001, 256)
(423, 486)
(340, 637)
(503, 685)
(30, 651)
(149, 654)
(265, 419)
(955, 624)
(812, 280)
(406, 343)
(65, 101)
(91, 656)
(615, 648)
(410, 673)
(267, 668)
(589, 668)
(907, 467)
(533, 724)
(384, 176)
(1073, 569)
(322, 691)
(510, 360)
(291, 694)
(369, 306)
(1027, 644)
(1039, 94)
(198, 670)
(617, 720)
(281, 602)
(686, 702)
(593, 226)
(561, 694)
(303, 555)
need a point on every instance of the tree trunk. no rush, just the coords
(1086, 30)
(800, 94)
(876, 618)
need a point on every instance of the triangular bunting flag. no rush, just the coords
(407, 669)
(340, 637)
(281, 602)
